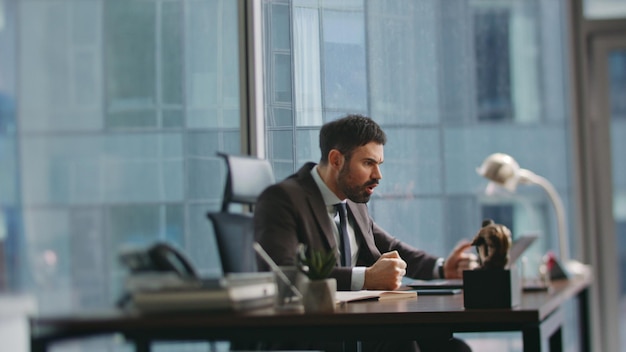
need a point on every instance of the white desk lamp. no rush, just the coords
(504, 171)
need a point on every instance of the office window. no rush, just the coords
(11, 242)
(430, 153)
(345, 85)
(616, 66)
(122, 108)
(604, 9)
(459, 81)
(618, 86)
(493, 63)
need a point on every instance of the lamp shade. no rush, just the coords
(501, 169)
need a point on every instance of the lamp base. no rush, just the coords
(563, 270)
(557, 271)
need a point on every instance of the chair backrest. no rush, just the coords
(234, 234)
(246, 178)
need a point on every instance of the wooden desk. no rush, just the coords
(538, 318)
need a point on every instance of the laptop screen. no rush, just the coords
(520, 245)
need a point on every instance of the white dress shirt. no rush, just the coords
(330, 199)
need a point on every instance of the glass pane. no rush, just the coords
(77, 169)
(604, 9)
(617, 77)
(493, 63)
(281, 38)
(344, 61)
(61, 86)
(12, 252)
(282, 78)
(122, 108)
(403, 73)
(131, 63)
(211, 73)
(171, 54)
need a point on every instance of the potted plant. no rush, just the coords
(320, 289)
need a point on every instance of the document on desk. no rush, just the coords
(380, 295)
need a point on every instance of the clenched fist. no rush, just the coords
(386, 273)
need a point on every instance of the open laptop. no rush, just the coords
(520, 245)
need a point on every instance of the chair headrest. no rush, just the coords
(247, 178)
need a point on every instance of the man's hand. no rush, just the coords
(459, 260)
(386, 273)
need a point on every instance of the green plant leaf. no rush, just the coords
(316, 264)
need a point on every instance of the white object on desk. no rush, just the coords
(14, 311)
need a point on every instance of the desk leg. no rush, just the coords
(351, 346)
(38, 346)
(142, 345)
(583, 316)
(545, 337)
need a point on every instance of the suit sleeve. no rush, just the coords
(420, 265)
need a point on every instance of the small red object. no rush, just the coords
(549, 260)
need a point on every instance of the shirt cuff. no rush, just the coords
(438, 268)
(358, 278)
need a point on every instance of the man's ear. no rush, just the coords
(335, 158)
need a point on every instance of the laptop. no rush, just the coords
(520, 245)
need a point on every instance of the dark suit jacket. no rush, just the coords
(293, 212)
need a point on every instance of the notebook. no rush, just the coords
(366, 295)
(520, 245)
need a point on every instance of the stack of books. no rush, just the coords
(164, 292)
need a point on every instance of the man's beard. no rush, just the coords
(356, 193)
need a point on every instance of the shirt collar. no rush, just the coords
(330, 198)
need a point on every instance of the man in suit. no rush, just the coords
(301, 210)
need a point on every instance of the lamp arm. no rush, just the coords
(528, 176)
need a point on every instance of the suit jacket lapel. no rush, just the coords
(316, 205)
(361, 220)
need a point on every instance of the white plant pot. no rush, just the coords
(319, 295)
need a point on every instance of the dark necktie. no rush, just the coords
(346, 254)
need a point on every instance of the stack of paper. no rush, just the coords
(232, 292)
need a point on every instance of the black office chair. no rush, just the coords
(247, 177)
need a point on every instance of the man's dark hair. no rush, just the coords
(348, 133)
